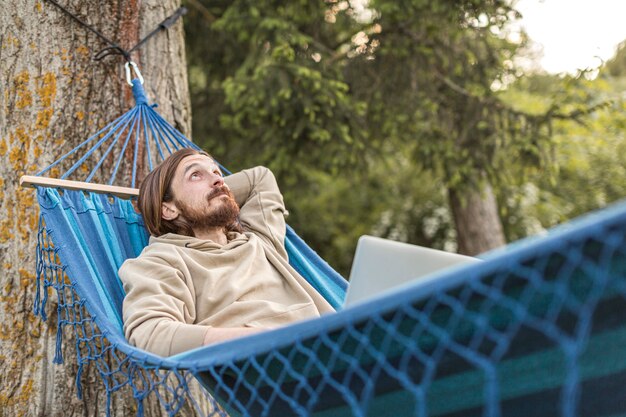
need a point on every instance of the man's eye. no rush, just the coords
(216, 172)
(195, 175)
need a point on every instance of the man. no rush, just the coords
(216, 267)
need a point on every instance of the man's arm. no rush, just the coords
(159, 307)
(262, 207)
(159, 310)
(222, 334)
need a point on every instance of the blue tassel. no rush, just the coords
(108, 406)
(44, 302)
(58, 353)
(37, 304)
(139, 407)
(79, 386)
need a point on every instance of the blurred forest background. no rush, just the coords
(414, 120)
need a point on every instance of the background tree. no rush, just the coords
(588, 153)
(435, 68)
(54, 95)
(616, 66)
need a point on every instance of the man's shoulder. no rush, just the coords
(154, 258)
(155, 250)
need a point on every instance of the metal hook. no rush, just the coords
(137, 73)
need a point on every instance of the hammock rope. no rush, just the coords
(139, 127)
(114, 48)
(537, 329)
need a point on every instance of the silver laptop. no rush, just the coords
(382, 265)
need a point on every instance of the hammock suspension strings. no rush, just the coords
(114, 48)
(140, 127)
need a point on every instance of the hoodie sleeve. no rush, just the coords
(262, 207)
(159, 307)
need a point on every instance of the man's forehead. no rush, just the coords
(202, 160)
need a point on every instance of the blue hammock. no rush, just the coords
(538, 329)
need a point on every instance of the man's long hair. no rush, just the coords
(156, 189)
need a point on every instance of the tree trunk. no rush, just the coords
(53, 95)
(477, 221)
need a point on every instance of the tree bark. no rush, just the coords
(477, 221)
(53, 95)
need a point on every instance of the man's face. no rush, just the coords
(200, 195)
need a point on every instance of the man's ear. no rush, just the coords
(169, 211)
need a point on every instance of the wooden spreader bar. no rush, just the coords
(122, 192)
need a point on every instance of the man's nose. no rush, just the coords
(217, 180)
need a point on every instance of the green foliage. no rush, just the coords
(616, 67)
(390, 199)
(589, 169)
(293, 113)
(272, 98)
(439, 62)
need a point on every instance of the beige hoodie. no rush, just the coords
(180, 286)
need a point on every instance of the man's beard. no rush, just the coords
(223, 215)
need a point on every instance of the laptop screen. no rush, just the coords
(381, 265)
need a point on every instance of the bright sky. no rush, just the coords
(575, 34)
